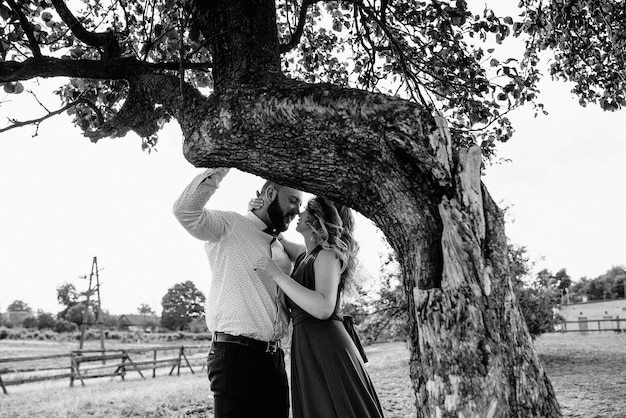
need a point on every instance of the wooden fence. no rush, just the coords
(593, 325)
(92, 364)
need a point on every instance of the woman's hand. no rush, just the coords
(256, 202)
(266, 267)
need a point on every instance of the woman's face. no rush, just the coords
(304, 221)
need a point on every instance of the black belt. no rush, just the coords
(265, 346)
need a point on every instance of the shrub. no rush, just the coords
(30, 322)
(13, 333)
(113, 335)
(45, 321)
(65, 326)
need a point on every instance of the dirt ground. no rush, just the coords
(588, 373)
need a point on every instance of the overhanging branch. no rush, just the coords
(115, 69)
(34, 45)
(295, 38)
(106, 40)
(37, 121)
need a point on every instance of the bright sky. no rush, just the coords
(64, 200)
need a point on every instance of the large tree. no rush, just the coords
(384, 106)
(182, 304)
(19, 306)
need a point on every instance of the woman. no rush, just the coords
(328, 377)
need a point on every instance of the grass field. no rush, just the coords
(588, 373)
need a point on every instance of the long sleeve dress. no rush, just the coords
(328, 376)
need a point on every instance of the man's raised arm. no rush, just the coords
(190, 211)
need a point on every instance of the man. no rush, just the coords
(246, 314)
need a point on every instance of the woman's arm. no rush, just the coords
(320, 302)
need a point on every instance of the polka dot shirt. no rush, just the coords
(239, 302)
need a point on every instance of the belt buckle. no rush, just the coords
(272, 347)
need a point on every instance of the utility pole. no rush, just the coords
(99, 320)
(83, 325)
(90, 291)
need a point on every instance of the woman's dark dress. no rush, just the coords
(328, 377)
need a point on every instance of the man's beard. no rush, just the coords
(277, 216)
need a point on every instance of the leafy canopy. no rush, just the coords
(430, 52)
(587, 39)
(420, 50)
(181, 304)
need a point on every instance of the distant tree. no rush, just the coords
(45, 320)
(613, 282)
(588, 288)
(30, 322)
(577, 290)
(18, 306)
(108, 320)
(67, 294)
(62, 326)
(563, 280)
(76, 314)
(609, 285)
(145, 309)
(536, 297)
(181, 304)
(385, 315)
(545, 277)
(520, 265)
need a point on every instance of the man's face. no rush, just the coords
(284, 207)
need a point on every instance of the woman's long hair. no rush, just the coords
(332, 226)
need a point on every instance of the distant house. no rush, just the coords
(16, 318)
(596, 315)
(139, 322)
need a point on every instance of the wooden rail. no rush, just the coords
(619, 325)
(81, 364)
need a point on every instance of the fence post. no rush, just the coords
(72, 371)
(180, 355)
(188, 364)
(123, 366)
(2, 384)
(77, 368)
(154, 364)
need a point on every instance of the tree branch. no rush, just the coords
(115, 69)
(295, 37)
(106, 40)
(16, 124)
(398, 49)
(34, 45)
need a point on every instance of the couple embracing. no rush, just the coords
(260, 281)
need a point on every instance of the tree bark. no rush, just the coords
(471, 354)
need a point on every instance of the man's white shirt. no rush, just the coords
(239, 301)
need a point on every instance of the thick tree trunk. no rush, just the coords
(471, 354)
